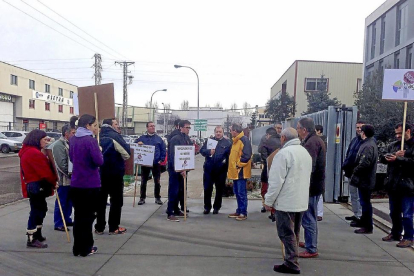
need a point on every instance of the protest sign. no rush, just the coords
(184, 158)
(211, 143)
(143, 154)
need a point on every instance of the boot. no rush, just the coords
(38, 234)
(32, 242)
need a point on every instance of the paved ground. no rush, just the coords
(10, 189)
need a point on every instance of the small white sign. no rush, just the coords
(47, 97)
(211, 143)
(143, 154)
(398, 85)
(184, 158)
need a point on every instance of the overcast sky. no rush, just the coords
(238, 48)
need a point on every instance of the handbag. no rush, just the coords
(37, 188)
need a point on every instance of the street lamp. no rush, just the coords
(198, 93)
(152, 109)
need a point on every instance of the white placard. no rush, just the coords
(47, 97)
(211, 143)
(143, 154)
(398, 85)
(184, 158)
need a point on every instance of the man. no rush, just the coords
(240, 170)
(288, 194)
(400, 186)
(115, 151)
(363, 177)
(215, 170)
(316, 148)
(348, 167)
(60, 151)
(152, 139)
(319, 132)
(176, 179)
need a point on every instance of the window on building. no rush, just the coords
(71, 110)
(359, 85)
(409, 59)
(60, 92)
(367, 43)
(32, 104)
(13, 80)
(61, 108)
(382, 36)
(32, 84)
(397, 60)
(47, 88)
(71, 94)
(402, 23)
(47, 106)
(373, 39)
(316, 84)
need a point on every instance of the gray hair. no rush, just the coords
(289, 133)
(307, 123)
(237, 128)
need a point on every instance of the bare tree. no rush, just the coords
(184, 105)
(233, 106)
(207, 105)
(247, 111)
(218, 105)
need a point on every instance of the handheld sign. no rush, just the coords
(211, 143)
(398, 85)
(143, 155)
(184, 158)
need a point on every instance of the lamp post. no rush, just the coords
(198, 92)
(152, 109)
(164, 118)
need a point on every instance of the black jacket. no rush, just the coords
(365, 170)
(349, 162)
(179, 139)
(219, 162)
(316, 148)
(269, 146)
(400, 173)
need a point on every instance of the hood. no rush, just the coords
(81, 132)
(238, 137)
(105, 128)
(26, 148)
(294, 141)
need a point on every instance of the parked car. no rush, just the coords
(54, 135)
(7, 145)
(15, 135)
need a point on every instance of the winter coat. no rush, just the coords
(240, 159)
(154, 140)
(364, 173)
(316, 148)
(289, 178)
(349, 162)
(86, 157)
(400, 173)
(269, 146)
(180, 139)
(175, 133)
(35, 166)
(220, 160)
(60, 151)
(114, 150)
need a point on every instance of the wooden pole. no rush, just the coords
(185, 196)
(96, 112)
(136, 179)
(403, 130)
(63, 217)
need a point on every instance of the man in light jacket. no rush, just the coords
(288, 194)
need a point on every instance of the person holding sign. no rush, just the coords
(216, 152)
(152, 139)
(240, 170)
(115, 150)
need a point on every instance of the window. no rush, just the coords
(32, 104)
(315, 84)
(382, 37)
(47, 106)
(71, 94)
(397, 60)
(402, 25)
(71, 110)
(13, 80)
(367, 44)
(373, 39)
(47, 88)
(359, 85)
(60, 92)
(409, 59)
(32, 84)
(61, 108)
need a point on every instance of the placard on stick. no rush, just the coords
(398, 85)
(143, 155)
(105, 97)
(184, 158)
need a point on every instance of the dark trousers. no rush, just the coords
(66, 204)
(114, 187)
(156, 174)
(38, 209)
(175, 184)
(401, 213)
(84, 203)
(218, 179)
(288, 229)
(366, 218)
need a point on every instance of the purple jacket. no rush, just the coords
(86, 157)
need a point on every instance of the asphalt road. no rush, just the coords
(10, 189)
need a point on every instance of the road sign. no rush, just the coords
(200, 125)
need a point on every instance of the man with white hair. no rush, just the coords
(288, 194)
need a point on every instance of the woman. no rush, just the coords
(85, 183)
(38, 182)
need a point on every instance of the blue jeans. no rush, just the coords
(310, 225)
(240, 191)
(401, 205)
(66, 202)
(365, 200)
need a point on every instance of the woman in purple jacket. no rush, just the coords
(86, 157)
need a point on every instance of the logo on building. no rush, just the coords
(52, 98)
(5, 98)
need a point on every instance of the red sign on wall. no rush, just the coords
(42, 126)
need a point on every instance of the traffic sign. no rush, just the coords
(200, 125)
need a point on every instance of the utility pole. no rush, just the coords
(98, 69)
(125, 65)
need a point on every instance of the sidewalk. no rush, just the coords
(202, 245)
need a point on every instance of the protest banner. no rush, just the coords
(184, 160)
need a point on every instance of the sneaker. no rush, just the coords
(263, 210)
(319, 218)
(306, 254)
(180, 215)
(301, 244)
(141, 201)
(93, 251)
(119, 231)
(206, 212)
(173, 218)
(404, 243)
(234, 215)
(158, 201)
(362, 231)
(61, 229)
(353, 218)
(36, 244)
(285, 269)
(241, 217)
(99, 232)
(390, 238)
(215, 211)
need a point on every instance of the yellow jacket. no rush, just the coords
(240, 163)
